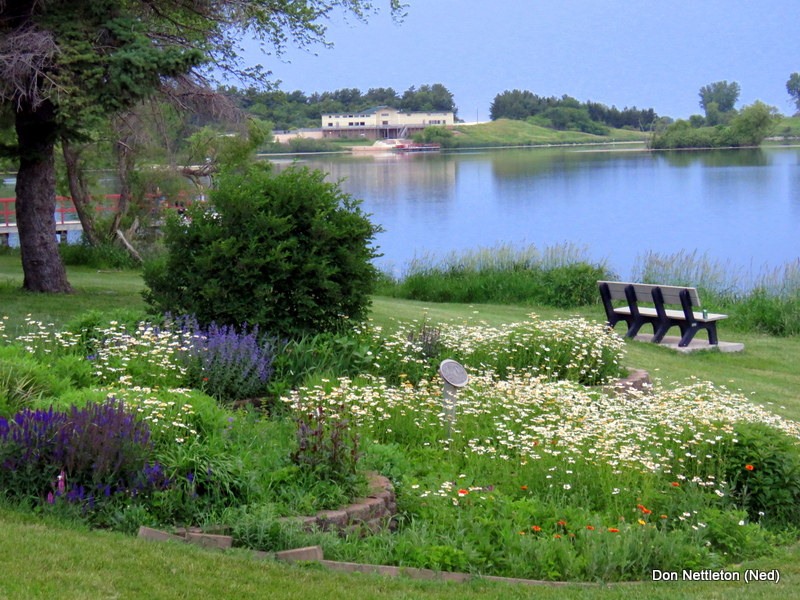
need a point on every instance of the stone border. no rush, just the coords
(367, 515)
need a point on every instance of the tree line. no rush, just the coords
(296, 110)
(721, 125)
(568, 113)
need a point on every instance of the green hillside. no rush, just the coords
(505, 132)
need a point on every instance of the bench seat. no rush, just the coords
(671, 313)
(689, 320)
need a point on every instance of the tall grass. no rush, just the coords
(767, 301)
(561, 276)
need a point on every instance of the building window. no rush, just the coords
(330, 124)
(384, 122)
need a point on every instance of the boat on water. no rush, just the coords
(394, 145)
(415, 147)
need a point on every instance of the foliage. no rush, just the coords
(721, 93)
(296, 110)
(23, 380)
(226, 363)
(327, 444)
(793, 89)
(289, 253)
(103, 256)
(317, 355)
(569, 118)
(590, 116)
(543, 480)
(83, 455)
(569, 349)
(763, 468)
(768, 303)
(435, 135)
(777, 315)
(558, 276)
(748, 128)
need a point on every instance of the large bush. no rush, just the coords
(290, 253)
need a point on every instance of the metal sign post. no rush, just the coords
(455, 377)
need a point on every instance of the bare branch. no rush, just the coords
(26, 58)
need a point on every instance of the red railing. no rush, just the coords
(65, 209)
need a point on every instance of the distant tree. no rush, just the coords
(793, 87)
(748, 128)
(434, 97)
(382, 97)
(516, 104)
(753, 124)
(697, 121)
(724, 94)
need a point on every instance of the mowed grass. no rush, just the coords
(45, 558)
(505, 132)
(94, 289)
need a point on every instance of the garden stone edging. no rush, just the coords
(366, 515)
(637, 380)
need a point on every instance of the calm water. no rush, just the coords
(739, 207)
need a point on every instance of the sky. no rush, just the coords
(643, 53)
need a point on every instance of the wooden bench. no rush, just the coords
(688, 319)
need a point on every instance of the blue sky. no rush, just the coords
(647, 53)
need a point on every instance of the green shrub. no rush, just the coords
(763, 468)
(24, 380)
(103, 256)
(227, 363)
(771, 314)
(288, 252)
(571, 285)
(329, 354)
(91, 327)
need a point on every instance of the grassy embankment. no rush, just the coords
(506, 132)
(43, 559)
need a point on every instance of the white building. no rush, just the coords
(382, 122)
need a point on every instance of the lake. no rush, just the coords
(738, 207)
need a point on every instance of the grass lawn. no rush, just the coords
(505, 132)
(45, 558)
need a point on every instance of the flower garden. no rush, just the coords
(541, 471)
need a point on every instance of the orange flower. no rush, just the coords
(557, 536)
(664, 516)
(562, 522)
(536, 528)
(749, 467)
(676, 484)
(524, 488)
(590, 527)
(613, 530)
(463, 492)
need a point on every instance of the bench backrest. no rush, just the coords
(644, 292)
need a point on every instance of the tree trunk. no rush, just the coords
(80, 192)
(42, 267)
(125, 163)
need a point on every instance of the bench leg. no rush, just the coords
(687, 336)
(660, 329)
(690, 332)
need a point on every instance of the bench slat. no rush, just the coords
(644, 292)
(672, 314)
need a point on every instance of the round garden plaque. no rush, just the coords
(453, 373)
